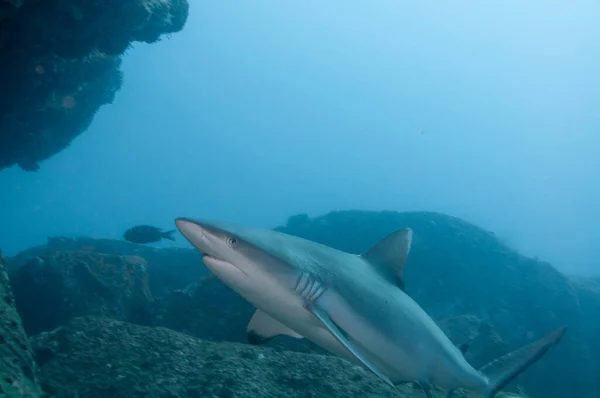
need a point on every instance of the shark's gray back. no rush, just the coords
(303, 254)
(353, 277)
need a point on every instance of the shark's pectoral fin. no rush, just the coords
(389, 255)
(311, 288)
(341, 337)
(263, 328)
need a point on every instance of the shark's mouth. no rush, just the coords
(206, 256)
(216, 262)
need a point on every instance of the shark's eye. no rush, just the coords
(231, 241)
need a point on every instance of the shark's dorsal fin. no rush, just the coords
(389, 255)
(263, 328)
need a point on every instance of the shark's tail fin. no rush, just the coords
(503, 370)
(168, 235)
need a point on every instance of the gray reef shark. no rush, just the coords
(354, 306)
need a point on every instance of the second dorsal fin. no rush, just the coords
(389, 255)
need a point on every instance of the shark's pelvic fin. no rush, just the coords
(389, 255)
(503, 370)
(263, 328)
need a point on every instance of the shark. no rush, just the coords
(352, 305)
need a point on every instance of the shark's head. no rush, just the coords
(213, 242)
(235, 255)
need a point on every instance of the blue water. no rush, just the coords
(260, 110)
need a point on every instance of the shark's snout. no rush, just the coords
(194, 233)
(211, 243)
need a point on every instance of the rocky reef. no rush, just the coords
(71, 284)
(125, 360)
(61, 62)
(18, 371)
(154, 322)
(168, 269)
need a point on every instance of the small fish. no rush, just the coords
(147, 234)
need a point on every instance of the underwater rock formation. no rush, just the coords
(125, 360)
(18, 371)
(61, 62)
(589, 301)
(60, 285)
(168, 269)
(206, 309)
